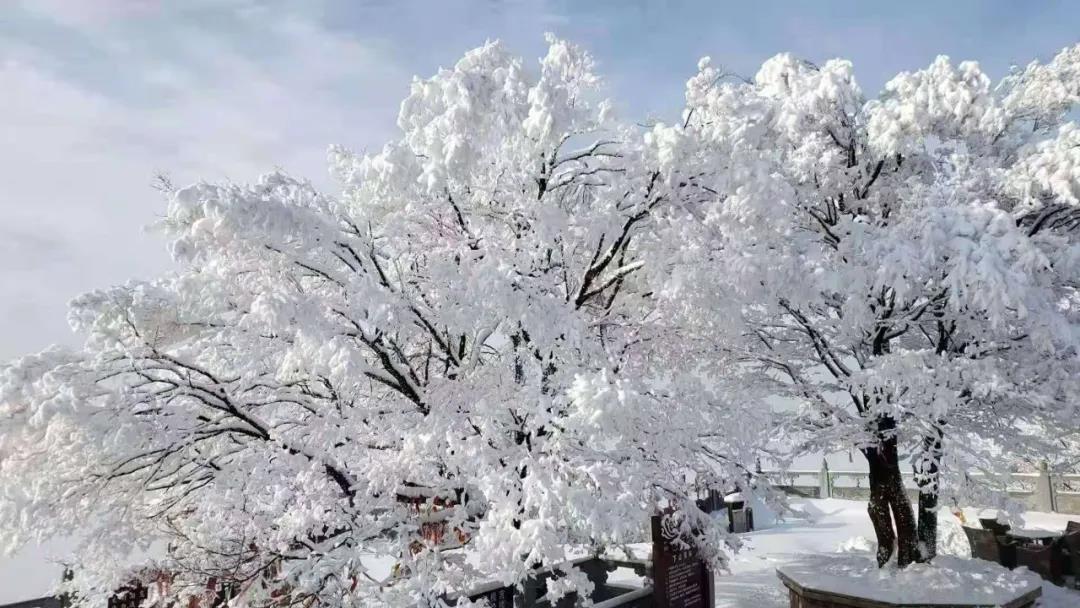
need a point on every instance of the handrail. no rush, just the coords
(814, 472)
(1043, 487)
(538, 572)
(619, 600)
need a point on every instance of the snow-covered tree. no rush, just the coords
(459, 346)
(903, 268)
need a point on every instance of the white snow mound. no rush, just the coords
(947, 580)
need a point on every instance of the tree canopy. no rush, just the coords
(464, 331)
(902, 267)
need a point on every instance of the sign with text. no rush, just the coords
(681, 579)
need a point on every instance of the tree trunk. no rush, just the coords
(927, 476)
(890, 509)
(928, 525)
(878, 509)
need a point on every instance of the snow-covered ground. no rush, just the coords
(826, 526)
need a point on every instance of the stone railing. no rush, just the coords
(1041, 491)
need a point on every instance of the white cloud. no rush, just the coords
(78, 150)
(84, 13)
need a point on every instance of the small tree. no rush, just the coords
(465, 326)
(902, 268)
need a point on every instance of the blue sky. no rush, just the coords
(96, 96)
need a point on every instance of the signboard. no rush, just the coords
(681, 579)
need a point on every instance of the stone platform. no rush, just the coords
(847, 581)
